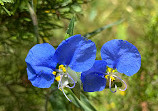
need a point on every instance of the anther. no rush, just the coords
(109, 69)
(54, 72)
(61, 66)
(106, 76)
(114, 71)
(112, 78)
(58, 78)
(64, 69)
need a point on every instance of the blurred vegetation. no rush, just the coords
(23, 21)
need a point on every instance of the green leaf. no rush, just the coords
(76, 8)
(77, 90)
(7, 1)
(1, 2)
(87, 103)
(83, 103)
(102, 28)
(63, 10)
(70, 28)
(8, 12)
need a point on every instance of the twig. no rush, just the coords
(35, 22)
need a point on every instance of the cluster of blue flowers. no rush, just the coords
(77, 54)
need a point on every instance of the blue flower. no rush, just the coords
(120, 57)
(44, 63)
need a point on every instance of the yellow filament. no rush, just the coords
(58, 78)
(112, 78)
(54, 73)
(106, 76)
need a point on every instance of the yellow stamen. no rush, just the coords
(109, 69)
(106, 76)
(58, 78)
(64, 69)
(61, 67)
(54, 73)
(114, 70)
(112, 78)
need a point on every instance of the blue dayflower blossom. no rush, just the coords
(44, 63)
(120, 57)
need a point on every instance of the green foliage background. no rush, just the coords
(19, 29)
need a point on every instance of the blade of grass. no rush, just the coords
(70, 28)
(91, 34)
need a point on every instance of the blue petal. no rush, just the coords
(42, 55)
(93, 82)
(76, 52)
(66, 49)
(41, 77)
(99, 66)
(84, 56)
(93, 79)
(40, 64)
(121, 55)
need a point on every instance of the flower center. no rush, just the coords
(63, 78)
(110, 75)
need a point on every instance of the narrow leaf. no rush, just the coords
(83, 103)
(70, 28)
(7, 11)
(87, 103)
(102, 28)
(77, 90)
